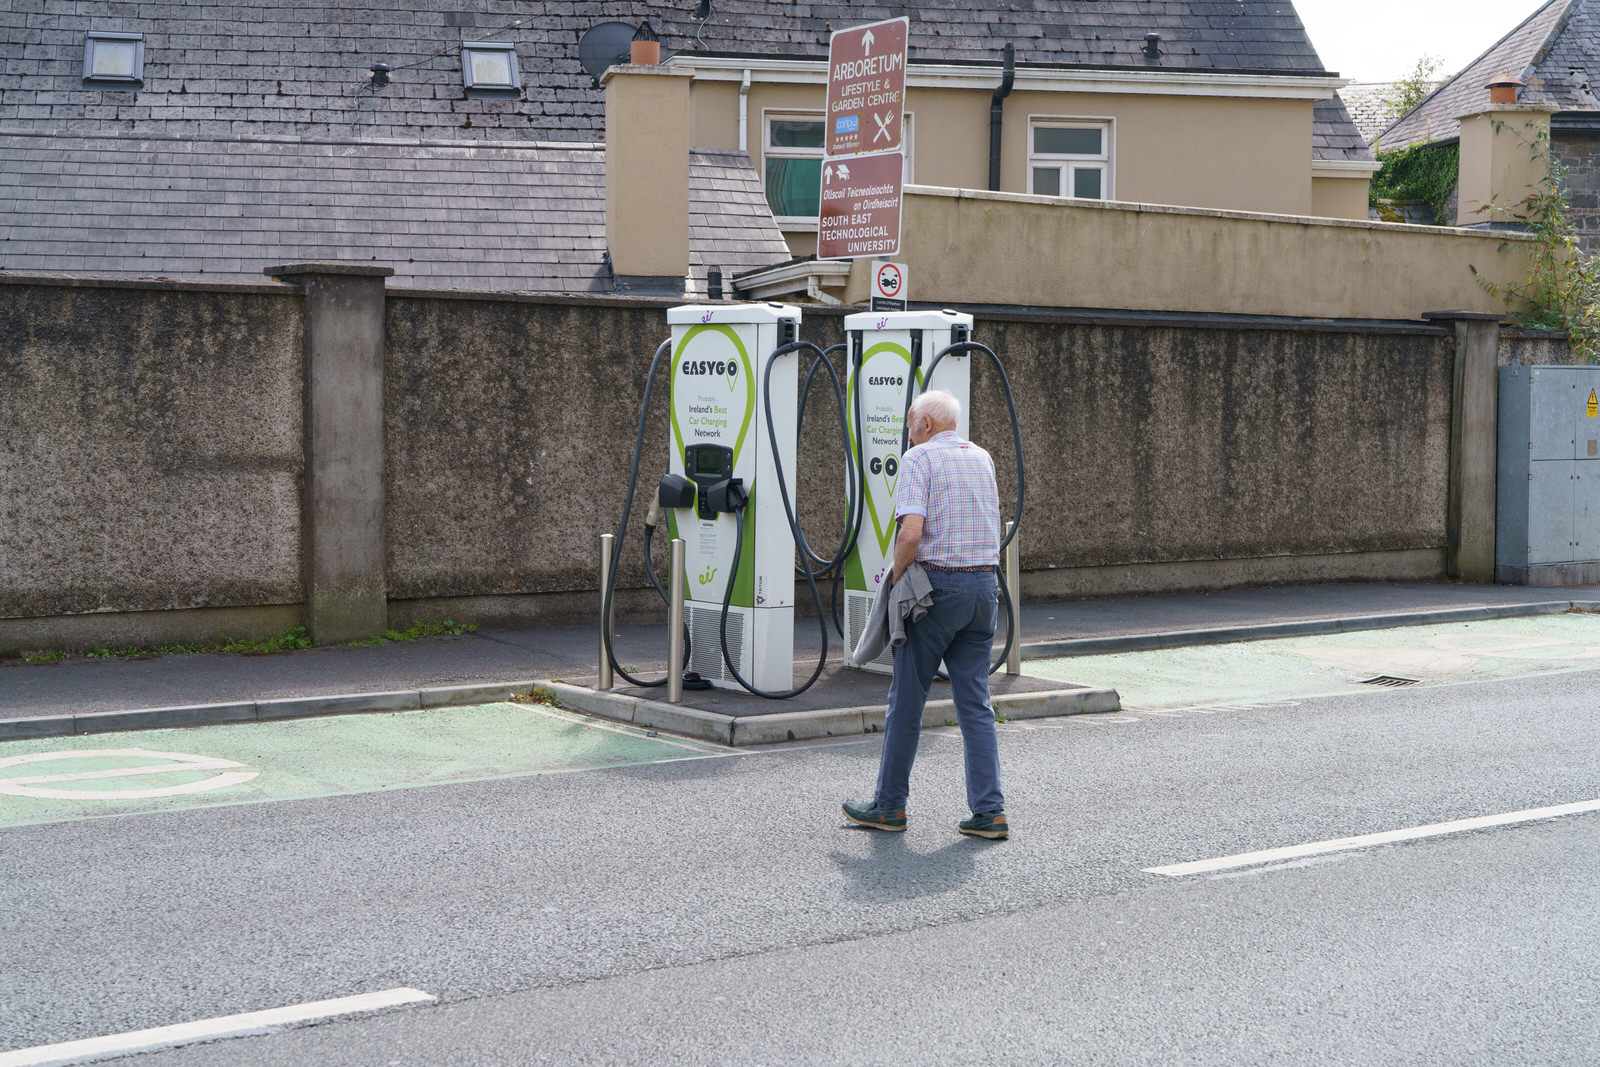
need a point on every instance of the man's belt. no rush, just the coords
(989, 569)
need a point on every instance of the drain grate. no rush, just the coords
(1390, 681)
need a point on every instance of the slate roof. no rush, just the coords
(1560, 36)
(1368, 104)
(523, 217)
(274, 68)
(254, 137)
(1259, 35)
(1334, 135)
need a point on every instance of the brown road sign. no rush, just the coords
(861, 206)
(867, 88)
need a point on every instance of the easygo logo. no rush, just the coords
(897, 382)
(722, 368)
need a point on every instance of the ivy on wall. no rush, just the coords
(1562, 287)
(1426, 173)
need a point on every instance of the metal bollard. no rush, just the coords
(606, 543)
(1014, 583)
(675, 623)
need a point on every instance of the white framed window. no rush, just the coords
(113, 59)
(791, 168)
(1070, 157)
(487, 66)
(791, 165)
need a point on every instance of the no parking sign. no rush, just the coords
(889, 287)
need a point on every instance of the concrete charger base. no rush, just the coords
(746, 722)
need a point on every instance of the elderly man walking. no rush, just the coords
(949, 513)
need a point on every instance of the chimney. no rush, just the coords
(647, 177)
(1505, 89)
(1504, 156)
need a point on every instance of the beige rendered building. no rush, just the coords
(1277, 143)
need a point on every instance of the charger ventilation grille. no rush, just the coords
(857, 608)
(705, 658)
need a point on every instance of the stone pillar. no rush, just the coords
(1474, 437)
(647, 177)
(342, 503)
(1504, 156)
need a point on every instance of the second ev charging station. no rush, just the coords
(888, 351)
(722, 455)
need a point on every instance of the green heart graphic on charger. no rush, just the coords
(893, 362)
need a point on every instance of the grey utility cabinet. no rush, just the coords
(1547, 493)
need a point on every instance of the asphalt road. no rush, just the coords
(718, 909)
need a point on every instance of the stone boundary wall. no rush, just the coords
(152, 453)
(150, 458)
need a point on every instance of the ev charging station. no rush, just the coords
(735, 407)
(722, 447)
(884, 372)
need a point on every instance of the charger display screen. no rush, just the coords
(710, 466)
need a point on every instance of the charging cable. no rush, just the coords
(622, 531)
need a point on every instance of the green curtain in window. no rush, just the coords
(794, 186)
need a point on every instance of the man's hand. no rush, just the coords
(905, 546)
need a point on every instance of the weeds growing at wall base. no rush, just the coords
(416, 630)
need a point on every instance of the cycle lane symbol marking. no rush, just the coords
(39, 785)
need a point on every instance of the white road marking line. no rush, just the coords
(1343, 844)
(125, 772)
(1309, 861)
(30, 786)
(220, 781)
(248, 1024)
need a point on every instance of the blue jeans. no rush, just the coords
(959, 629)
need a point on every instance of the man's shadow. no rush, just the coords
(892, 870)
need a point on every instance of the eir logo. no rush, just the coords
(707, 316)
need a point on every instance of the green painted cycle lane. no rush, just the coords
(1330, 665)
(95, 775)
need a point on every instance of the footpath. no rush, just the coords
(82, 695)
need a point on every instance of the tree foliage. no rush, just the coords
(1414, 88)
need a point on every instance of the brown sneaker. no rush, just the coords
(864, 814)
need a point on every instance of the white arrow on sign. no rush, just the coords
(176, 761)
(866, 42)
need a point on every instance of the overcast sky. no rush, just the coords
(1381, 40)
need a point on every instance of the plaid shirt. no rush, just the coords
(950, 483)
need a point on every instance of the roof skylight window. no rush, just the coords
(491, 67)
(113, 59)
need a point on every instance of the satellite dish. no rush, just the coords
(604, 46)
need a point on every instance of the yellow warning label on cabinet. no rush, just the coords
(1594, 405)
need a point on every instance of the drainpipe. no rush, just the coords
(996, 112)
(744, 113)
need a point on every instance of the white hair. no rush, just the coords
(942, 409)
